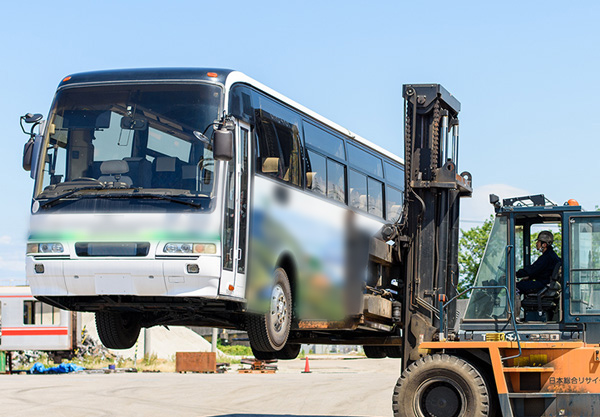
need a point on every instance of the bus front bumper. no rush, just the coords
(143, 277)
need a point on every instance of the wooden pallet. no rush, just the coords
(256, 371)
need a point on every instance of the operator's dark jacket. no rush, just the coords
(541, 270)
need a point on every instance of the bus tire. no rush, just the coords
(393, 351)
(441, 386)
(269, 332)
(262, 356)
(289, 351)
(374, 352)
(118, 330)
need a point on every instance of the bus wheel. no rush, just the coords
(118, 330)
(441, 386)
(269, 332)
(374, 352)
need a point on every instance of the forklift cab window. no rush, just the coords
(527, 254)
(491, 303)
(538, 299)
(585, 266)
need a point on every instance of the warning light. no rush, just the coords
(572, 202)
(66, 79)
(231, 287)
(212, 74)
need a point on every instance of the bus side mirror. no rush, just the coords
(223, 145)
(28, 154)
(28, 149)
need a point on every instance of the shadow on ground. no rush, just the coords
(271, 415)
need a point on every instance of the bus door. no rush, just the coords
(235, 224)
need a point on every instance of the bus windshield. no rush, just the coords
(145, 139)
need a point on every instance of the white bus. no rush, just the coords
(29, 324)
(202, 197)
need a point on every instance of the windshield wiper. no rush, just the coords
(53, 200)
(162, 197)
(134, 194)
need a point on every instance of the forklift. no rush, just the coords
(540, 359)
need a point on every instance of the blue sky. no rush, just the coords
(526, 74)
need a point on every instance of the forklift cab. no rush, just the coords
(573, 294)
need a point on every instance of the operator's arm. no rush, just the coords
(535, 268)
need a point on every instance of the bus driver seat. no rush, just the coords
(112, 172)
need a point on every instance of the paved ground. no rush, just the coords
(357, 387)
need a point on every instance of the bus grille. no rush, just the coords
(112, 249)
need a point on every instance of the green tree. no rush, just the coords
(470, 251)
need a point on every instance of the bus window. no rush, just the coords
(324, 141)
(394, 175)
(278, 153)
(325, 176)
(393, 199)
(365, 161)
(336, 181)
(229, 221)
(357, 184)
(243, 214)
(366, 193)
(375, 200)
(316, 172)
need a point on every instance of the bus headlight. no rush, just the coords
(185, 248)
(47, 248)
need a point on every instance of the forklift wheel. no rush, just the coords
(441, 386)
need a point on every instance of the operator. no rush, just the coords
(537, 275)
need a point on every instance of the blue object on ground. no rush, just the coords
(37, 368)
(63, 368)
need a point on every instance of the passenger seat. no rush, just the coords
(166, 172)
(140, 171)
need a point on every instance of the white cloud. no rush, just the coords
(5, 240)
(475, 210)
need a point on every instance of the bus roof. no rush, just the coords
(226, 77)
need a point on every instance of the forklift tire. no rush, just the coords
(374, 352)
(118, 330)
(441, 386)
(269, 332)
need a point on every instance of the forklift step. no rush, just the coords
(532, 395)
(528, 369)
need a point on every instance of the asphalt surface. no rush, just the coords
(353, 388)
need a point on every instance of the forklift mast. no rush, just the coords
(427, 233)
